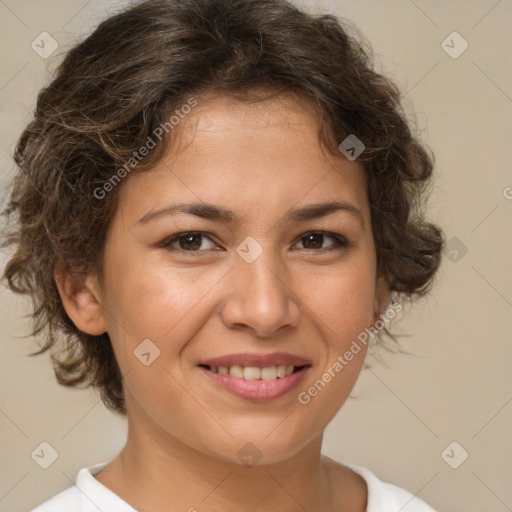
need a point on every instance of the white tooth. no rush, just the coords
(223, 369)
(269, 373)
(213, 369)
(252, 373)
(281, 371)
(236, 371)
(289, 369)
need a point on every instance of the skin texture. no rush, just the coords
(260, 161)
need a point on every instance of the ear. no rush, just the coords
(382, 295)
(81, 299)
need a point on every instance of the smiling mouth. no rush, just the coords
(267, 373)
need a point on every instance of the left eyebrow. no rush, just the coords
(214, 212)
(319, 210)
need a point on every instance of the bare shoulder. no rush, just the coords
(350, 492)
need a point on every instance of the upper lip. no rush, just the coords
(258, 360)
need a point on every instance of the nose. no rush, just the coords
(260, 298)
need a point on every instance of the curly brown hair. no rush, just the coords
(116, 87)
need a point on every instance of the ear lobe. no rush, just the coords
(81, 299)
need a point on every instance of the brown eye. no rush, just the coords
(188, 242)
(315, 240)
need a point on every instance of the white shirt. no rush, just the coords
(89, 495)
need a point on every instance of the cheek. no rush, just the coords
(149, 299)
(343, 306)
(342, 299)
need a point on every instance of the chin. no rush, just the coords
(263, 447)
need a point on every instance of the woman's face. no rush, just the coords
(257, 284)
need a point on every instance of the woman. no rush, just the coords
(218, 202)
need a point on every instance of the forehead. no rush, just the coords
(246, 155)
(226, 112)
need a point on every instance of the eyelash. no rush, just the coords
(340, 241)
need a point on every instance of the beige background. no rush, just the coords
(456, 386)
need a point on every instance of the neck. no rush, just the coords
(165, 476)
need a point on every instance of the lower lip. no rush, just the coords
(257, 389)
